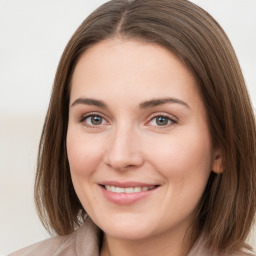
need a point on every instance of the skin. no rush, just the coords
(130, 144)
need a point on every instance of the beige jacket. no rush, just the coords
(85, 242)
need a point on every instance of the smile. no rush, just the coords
(126, 193)
(128, 190)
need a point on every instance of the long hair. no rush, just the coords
(228, 205)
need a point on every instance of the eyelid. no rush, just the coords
(149, 119)
(161, 114)
(84, 116)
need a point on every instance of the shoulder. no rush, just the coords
(84, 241)
(243, 253)
(51, 246)
(200, 248)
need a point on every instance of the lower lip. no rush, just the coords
(126, 198)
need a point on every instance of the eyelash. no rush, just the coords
(90, 115)
(171, 121)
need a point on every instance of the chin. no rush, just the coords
(128, 233)
(127, 229)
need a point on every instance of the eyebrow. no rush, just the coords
(88, 101)
(143, 105)
(157, 102)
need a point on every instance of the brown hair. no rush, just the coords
(228, 204)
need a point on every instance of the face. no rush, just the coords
(138, 141)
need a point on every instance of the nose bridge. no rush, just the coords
(123, 151)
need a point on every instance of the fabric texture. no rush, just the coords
(83, 242)
(86, 242)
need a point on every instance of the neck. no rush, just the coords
(177, 244)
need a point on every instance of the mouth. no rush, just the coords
(128, 190)
(127, 193)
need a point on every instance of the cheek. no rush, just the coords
(84, 155)
(185, 163)
(184, 157)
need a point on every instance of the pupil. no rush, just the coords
(96, 120)
(162, 121)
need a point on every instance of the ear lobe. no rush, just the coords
(217, 163)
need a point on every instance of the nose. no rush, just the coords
(124, 150)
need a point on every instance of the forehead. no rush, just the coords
(131, 69)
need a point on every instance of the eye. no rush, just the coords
(161, 120)
(93, 120)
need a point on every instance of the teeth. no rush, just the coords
(127, 190)
(137, 189)
(119, 190)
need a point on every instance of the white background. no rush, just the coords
(33, 35)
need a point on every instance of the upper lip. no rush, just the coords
(127, 184)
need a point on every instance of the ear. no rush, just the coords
(217, 162)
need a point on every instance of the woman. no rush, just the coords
(148, 146)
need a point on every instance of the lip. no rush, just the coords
(127, 184)
(126, 198)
